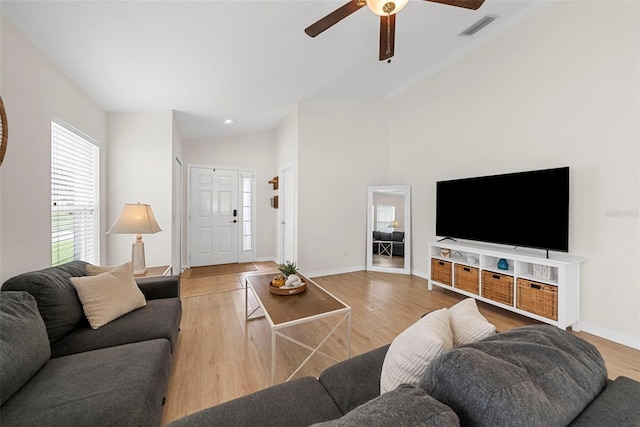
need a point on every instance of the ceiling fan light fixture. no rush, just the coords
(386, 7)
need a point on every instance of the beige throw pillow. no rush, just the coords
(94, 270)
(467, 324)
(108, 295)
(411, 352)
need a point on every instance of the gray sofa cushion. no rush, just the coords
(397, 236)
(24, 345)
(159, 287)
(295, 403)
(617, 405)
(404, 406)
(355, 381)
(534, 376)
(158, 319)
(117, 386)
(57, 299)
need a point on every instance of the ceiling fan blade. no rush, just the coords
(467, 4)
(334, 17)
(387, 37)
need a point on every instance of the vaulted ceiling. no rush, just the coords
(246, 60)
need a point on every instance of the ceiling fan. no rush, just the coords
(387, 10)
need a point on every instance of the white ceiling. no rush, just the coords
(246, 60)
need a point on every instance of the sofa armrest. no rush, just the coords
(159, 286)
(617, 405)
(300, 402)
(355, 381)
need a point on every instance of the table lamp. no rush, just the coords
(394, 224)
(136, 219)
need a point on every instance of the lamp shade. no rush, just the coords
(386, 7)
(394, 224)
(135, 219)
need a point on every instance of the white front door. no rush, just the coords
(214, 217)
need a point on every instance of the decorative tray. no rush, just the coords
(283, 290)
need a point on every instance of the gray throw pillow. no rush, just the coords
(404, 406)
(57, 299)
(531, 376)
(24, 345)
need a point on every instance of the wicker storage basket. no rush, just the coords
(441, 271)
(467, 279)
(497, 287)
(538, 298)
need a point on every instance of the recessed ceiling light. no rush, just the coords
(228, 122)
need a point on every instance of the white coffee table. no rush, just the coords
(385, 247)
(283, 311)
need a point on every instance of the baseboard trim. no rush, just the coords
(421, 274)
(266, 259)
(331, 272)
(608, 334)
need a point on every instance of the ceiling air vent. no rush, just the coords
(474, 28)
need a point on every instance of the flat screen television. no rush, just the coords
(528, 209)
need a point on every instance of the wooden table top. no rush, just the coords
(163, 270)
(314, 301)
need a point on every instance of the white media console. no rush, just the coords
(529, 283)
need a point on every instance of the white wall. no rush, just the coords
(249, 151)
(339, 157)
(34, 91)
(140, 169)
(179, 201)
(286, 139)
(559, 89)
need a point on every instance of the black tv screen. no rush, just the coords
(522, 209)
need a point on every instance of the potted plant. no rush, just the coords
(288, 268)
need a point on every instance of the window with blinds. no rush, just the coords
(384, 215)
(75, 195)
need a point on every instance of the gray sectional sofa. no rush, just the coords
(530, 376)
(57, 371)
(396, 237)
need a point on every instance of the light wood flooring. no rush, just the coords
(220, 356)
(386, 261)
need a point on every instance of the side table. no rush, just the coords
(162, 270)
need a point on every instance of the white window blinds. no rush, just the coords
(75, 195)
(384, 215)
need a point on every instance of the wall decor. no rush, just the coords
(543, 271)
(4, 131)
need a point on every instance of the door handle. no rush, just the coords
(235, 212)
(234, 221)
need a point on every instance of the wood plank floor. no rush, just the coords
(220, 356)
